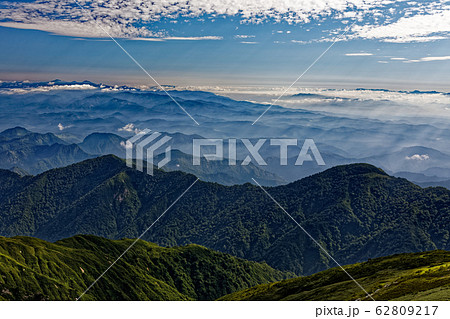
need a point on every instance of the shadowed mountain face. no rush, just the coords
(219, 171)
(356, 212)
(33, 269)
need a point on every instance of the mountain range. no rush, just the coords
(355, 211)
(415, 145)
(377, 205)
(26, 152)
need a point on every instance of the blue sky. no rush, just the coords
(401, 44)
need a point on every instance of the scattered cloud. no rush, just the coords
(418, 28)
(48, 88)
(435, 58)
(194, 38)
(382, 20)
(359, 54)
(249, 42)
(417, 157)
(243, 36)
(300, 41)
(381, 104)
(128, 128)
(428, 59)
(178, 38)
(62, 127)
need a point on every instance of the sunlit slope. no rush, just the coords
(419, 276)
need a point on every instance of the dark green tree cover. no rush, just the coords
(33, 269)
(219, 171)
(419, 276)
(355, 211)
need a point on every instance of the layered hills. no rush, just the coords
(356, 212)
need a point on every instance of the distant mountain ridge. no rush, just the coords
(35, 153)
(356, 211)
(74, 110)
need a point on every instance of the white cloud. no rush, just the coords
(194, 38)
(418, 28)
(420, 107)
(48, 88)
(178, 38)
(299, 41)
(382, 20)
(417, 157)
(435, 58)
(428, 59)
(127, 128)
(148, 39)
(63, 127)
(249, 42)
(243, 36)
(359, 54)
(125, 19)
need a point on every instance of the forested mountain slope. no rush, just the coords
(32, 269)
(355, 211)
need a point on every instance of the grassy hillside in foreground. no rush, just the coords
(33, 269)
(418, 276)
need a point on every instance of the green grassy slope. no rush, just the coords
(33, 269)
(419, 276)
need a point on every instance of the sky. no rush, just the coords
(371, 43)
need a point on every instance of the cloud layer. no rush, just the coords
(384, 20)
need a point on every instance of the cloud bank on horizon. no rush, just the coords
(382, 20)
(381, 104)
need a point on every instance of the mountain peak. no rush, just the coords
(15, 132)
(357, 169)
